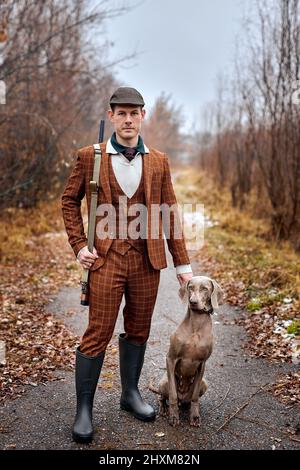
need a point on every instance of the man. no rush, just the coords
(130, 173)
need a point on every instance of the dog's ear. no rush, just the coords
(183, 291)
(217, 295)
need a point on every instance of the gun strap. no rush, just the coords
(95, 188)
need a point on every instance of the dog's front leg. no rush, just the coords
(163, 389)
(173, 400)
(198, 385)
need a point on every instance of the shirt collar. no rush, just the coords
(110, 148)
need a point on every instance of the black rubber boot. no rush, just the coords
(86, 377)
(131, 363)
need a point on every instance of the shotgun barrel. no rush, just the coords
(84, 298)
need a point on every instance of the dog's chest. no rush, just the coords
(185, 374)
(192, 355)
(196, 348)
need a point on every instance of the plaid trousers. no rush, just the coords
(130, 274)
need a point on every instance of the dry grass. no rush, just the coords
(240, 244)
(19, 227)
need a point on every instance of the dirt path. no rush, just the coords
(43, 417)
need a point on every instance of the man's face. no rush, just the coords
(127, 120)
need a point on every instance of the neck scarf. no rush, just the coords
(128, 152)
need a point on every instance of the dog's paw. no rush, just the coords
(195, 421)
(173, 417)
(174, 420)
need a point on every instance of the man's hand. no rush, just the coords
(184, 277)
(86, 258)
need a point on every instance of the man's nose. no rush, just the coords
(128, 118)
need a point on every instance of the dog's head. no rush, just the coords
(202, 293)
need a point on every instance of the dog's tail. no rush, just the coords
(152, 388)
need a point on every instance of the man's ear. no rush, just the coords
(110, 115)
(183, 291)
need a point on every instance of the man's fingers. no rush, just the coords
(87, 265)
(95, 252)
(89, 256)
(88, 260)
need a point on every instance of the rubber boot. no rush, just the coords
(131, 363)
(86, 377)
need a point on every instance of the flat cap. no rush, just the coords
(127, 95)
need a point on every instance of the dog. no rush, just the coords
(191, 344)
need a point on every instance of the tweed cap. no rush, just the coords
(127, 95)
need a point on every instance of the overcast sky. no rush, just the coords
(181, 45)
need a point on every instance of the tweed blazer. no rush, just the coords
(158, 190)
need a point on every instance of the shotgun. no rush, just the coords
(94, 185)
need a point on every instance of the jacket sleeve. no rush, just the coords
(73, 193)
(171, 222)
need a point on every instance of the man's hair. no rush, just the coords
(113, 106)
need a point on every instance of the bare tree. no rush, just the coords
(256, 137)
(57, 77)
(162, 128)
(274, 70)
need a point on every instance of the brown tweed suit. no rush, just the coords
(130, 267)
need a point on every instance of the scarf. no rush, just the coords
(128, 152)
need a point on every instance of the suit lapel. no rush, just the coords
(148, 171)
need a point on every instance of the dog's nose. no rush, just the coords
(193, 302)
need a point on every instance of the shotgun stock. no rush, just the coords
(84, 298)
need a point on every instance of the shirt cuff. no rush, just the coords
(183, 268)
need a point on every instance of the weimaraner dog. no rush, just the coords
(191, 345)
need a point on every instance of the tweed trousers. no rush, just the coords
(130, 274)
